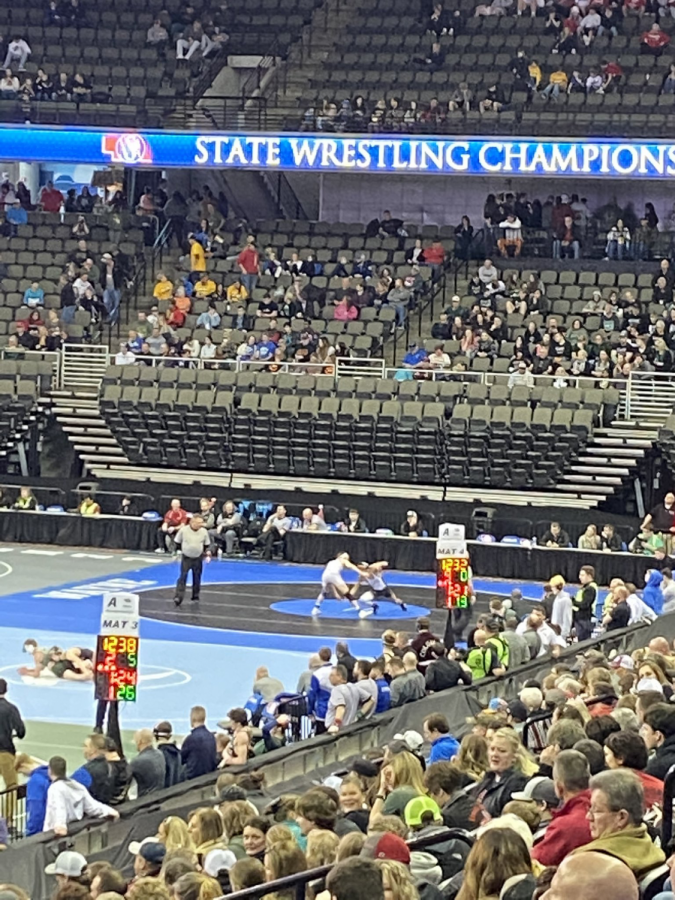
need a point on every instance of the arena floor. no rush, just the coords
(251, 613)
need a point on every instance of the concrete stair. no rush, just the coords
(79, 416)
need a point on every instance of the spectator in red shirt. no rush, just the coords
(612, 74)
(174, 518)
(654, 41)
(637, 6)
(434, 256)
(51, 198)
(175, 317)
(249, 264)
(569, 825)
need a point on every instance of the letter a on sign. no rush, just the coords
(121, 608)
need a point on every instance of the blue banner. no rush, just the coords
(325, 153)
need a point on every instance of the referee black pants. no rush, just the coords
(195, 566)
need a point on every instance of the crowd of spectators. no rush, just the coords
(195, 36)
(631, 336)
(515, 222)
(231, 306)
(566, 776)
(569, 28)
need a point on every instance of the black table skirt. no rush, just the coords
(487, 560)
(405, 554)
(70, 530)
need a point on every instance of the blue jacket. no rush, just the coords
(36, 799)
(652, 594)
(319, 692)
(443, 748)
(198, 752)
(383, 695)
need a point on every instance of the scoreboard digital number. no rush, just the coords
(116, 671)
(452, 582)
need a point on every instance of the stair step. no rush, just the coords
(617, 452)
(100, 450)
(581, 489)
(625, 465)
(98, 458)
(600, 470)
(592, 479)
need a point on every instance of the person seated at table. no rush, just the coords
(89, 507)
(25, 500)
(413, 526)
(556, 536)
(590, 539)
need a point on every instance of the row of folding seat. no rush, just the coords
(341, 230)
(546, 419)
(347, 386)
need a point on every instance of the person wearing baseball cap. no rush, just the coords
(423, 867)
(541, 791)
(424, 818)
(386, 846)
(623, 662)
(68, 866)
(148, 857)
(174, 772)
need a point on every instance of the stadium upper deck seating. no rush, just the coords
(381, 56)
(134, 83)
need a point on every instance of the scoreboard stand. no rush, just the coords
(116, 661)
(454, 591)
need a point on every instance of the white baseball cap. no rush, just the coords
(69, 863)
(217, 860)
(413, 739)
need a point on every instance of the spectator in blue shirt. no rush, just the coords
(415, 357)
(198, 752)
(362, 267)
(135, 341)
(266, 345)
(383, 689)
(436, 731)
(36, 791)
(16, 215)
(34, 296)
(209, 319)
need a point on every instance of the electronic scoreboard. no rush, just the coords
(453, 571)
(117, 647)
(452, 582)
(116, 667)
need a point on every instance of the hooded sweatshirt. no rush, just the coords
(174, 773)
(424, 868)
(36, 799)
(68, 801)
(652, 594)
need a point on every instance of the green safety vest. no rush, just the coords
(476, 660)
(501, 648)
(576, 600)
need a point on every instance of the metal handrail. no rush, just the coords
(301, 879)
